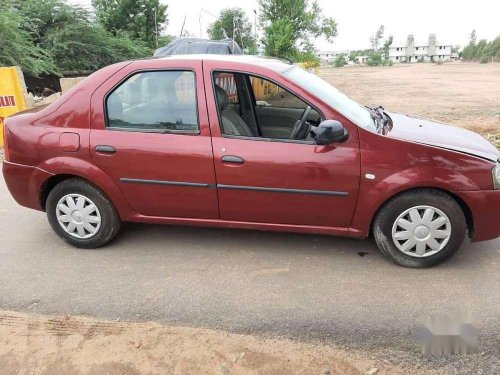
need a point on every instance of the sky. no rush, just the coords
(451, 20)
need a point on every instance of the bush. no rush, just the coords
(340, 61)
(51, 36)
(307, 59)
(84, 46)
(374, 59)
(483, 51)
(17, 46)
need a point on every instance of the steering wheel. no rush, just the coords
(300, 125)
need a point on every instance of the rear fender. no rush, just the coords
(81, 168)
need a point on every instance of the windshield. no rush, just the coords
(333, 97)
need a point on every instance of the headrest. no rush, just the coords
(149, 89)
(115, 108)
(132, 93)
(222, 97)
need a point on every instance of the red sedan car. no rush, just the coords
(248, 142)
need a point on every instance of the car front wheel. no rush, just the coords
(420, 228)
(81, 214)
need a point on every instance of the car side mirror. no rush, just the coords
(329, 131)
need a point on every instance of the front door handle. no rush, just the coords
(105, 149)
(232, 159)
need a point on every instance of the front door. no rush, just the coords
(152, 138)
(277, 180)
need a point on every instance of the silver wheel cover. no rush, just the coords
(78, 216)
(421, 231)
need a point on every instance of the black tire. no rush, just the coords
(383, 223)
(110, 220)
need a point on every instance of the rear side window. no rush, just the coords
(155, 101)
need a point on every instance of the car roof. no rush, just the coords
(262, 61)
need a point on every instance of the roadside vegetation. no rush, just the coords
(377, 55)
(291, 26)
(482, 51)
(340, 61)
(233, 23)
(50, 36)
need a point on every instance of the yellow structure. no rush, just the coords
(12, 91)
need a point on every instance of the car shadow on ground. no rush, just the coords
(339, 249)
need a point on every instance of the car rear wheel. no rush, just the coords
(81, 214)
(420, 228)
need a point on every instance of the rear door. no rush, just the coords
(150, 134)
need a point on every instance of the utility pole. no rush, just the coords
(156, 32)
(255, 25)
(199, 19)
(182, 28)
(233, 32)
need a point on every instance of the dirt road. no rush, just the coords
(463, 94)
(60, 345)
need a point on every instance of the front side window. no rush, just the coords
(155, 101)
(251, 106)
(269, 94)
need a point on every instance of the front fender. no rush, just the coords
(374, 193)
(66, 165)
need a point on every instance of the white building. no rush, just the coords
(416, 52)
(330, 56)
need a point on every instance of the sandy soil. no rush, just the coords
(32, 344)
(463, 94)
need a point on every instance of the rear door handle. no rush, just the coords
(105, 149)
(232, 159)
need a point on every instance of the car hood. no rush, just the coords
(420, 130)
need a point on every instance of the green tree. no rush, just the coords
(387, 45)
(482, 51)
(377, 37)
(472, 37)
(290, 26)
(139, 19)
(233, 23)
(43, 16)
(84, 46)
(17, 47)
(50, 36)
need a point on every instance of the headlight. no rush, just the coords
(496, 176)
